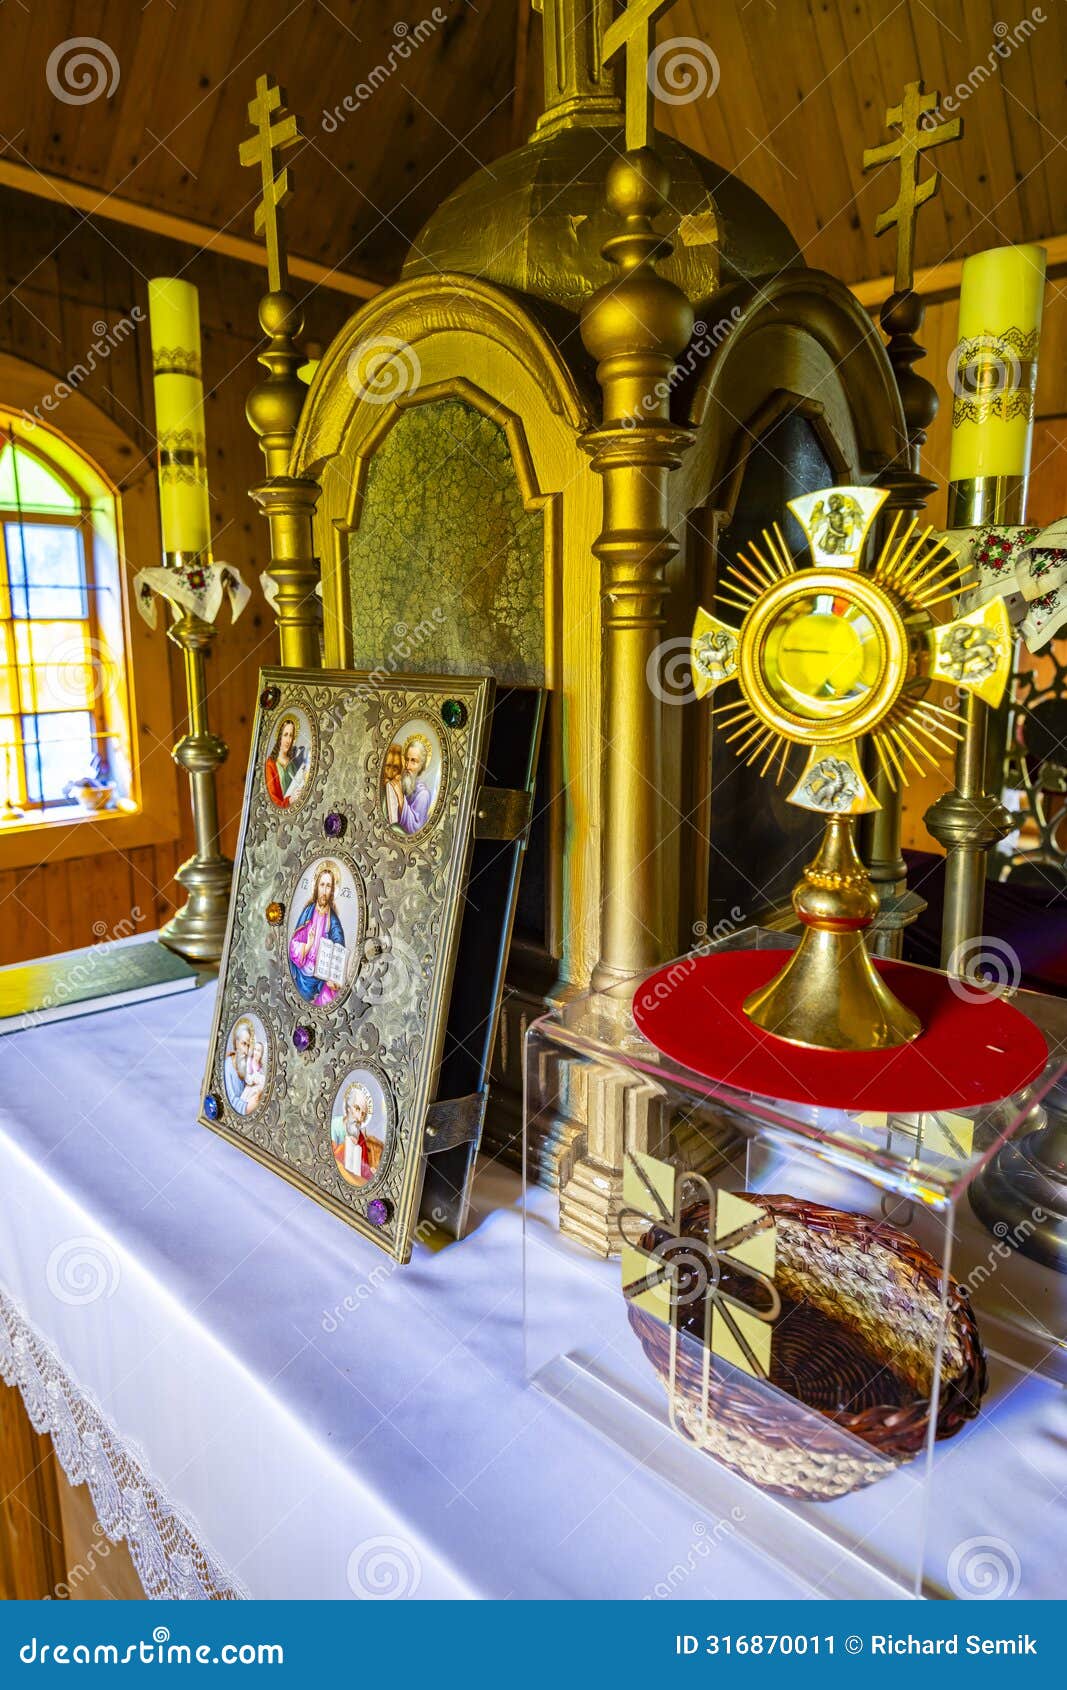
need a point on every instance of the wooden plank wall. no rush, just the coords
(32, 1559)
(62, 275)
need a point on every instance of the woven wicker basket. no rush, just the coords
(855, 1340)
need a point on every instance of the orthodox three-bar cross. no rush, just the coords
(635, 30)
(276, 131)
(915, 138)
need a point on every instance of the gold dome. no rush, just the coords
(536, 220)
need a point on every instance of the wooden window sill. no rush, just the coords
(27, 843)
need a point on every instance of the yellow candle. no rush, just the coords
(1001, 297)
(174, 325)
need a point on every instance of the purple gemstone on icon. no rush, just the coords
(302, 1037)
(211, 1106)
(334, 824)
(269, 697)
(378, 1211)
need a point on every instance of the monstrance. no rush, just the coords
(827, 656)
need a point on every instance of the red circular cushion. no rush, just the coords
(972, 1050)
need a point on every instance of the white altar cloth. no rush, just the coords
(327, 1424)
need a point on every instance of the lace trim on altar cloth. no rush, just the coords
(164, 1546)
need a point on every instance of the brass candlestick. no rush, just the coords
(197, 930)
(1001, 297)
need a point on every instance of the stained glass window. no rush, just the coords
(60, 681)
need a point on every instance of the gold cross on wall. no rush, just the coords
(913, 139)
(635, 30)
(276, 130)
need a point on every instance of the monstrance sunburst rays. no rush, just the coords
(826, 656)
(913, 575)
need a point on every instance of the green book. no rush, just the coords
(119, 971)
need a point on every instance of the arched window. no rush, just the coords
(64, 697)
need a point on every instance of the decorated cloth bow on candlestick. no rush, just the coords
(1026, 566)
(197, 587)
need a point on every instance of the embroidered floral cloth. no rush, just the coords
(1027, 567)
(199, 589)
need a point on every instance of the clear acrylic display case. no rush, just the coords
(817, 1336)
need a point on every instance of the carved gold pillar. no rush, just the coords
(636, 326)
(274, 406)
(287, 501)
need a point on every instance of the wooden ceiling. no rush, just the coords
(802, 88)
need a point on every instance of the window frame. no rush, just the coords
(81, 522)
(125, 471)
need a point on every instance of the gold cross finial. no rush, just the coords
(276, 130)
(635, 29)
(914, 138)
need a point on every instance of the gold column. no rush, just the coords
(1001, 297)
(579, 85)
(287, 501)
(274, 406)
(636, 326)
